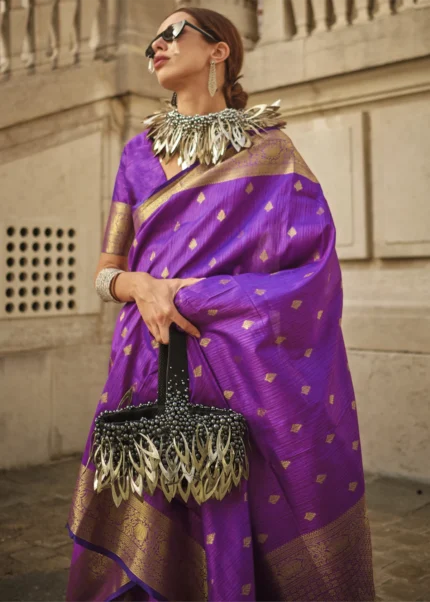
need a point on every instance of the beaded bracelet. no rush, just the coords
(103, 283)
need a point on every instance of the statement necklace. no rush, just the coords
(206, 137)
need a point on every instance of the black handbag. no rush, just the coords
(185, 448)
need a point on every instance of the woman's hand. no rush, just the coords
(155, 300)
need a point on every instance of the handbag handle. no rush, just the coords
(173, 365)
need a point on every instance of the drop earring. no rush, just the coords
(151, 66)
(174, 101)
(212, 84)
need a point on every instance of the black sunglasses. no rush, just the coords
(172, 32)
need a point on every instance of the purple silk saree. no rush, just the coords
(258, 227)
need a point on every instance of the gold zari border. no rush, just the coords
(334, 561)
(119, 231)
(155, 549)
(272, 153)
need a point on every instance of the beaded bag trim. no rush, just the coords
(206, 137)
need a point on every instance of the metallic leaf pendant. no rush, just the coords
(207, 137)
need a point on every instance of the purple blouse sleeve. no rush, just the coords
(119, 231)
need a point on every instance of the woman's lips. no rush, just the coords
(159, 62)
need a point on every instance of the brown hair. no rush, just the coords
(223, 29)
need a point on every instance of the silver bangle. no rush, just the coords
(103, 282)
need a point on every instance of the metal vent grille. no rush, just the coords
(39, 271)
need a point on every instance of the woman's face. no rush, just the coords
(189, 55)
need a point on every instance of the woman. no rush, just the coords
(239, 252)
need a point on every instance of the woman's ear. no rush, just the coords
(221, 51)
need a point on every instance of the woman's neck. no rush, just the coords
(189, 104)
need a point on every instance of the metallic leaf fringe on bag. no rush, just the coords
(184, 448)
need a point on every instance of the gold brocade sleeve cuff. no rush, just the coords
(119, 230)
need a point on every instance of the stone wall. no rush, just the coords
(355, 80)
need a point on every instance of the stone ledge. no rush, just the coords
(336, 52)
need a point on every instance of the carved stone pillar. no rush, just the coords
(275, 26)
(341, 11)
(301, 18)
(320, 16)
(360, 11)
(382, 8)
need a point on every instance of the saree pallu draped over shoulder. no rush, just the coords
(258, 228)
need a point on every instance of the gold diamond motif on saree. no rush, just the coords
(122, 316)
(155, 344)
(124, 331)
(260, 291)
(355, 445)
(212, 262)
(262, 537)
(152, 256)
(134, 243)
(285, 464)
(269, 206)
(247, 324)
(221, 215)
(177, 226)
(193, 244)
(261, 412)
(264, 256)
(228, 394)
(330, 438)
(205, 342)
(246, 589)
(249, 188)
(321, 478)
(104, 398)
(354, 405)
(210, 538)
(201, 198)
(279, 340)
(165, 273)
(308, 352)
(273, 499)
(331, 399)
(320, 211)
(319, 314)
(197, 371)
(247, 542)
(270, 377)
(306, 389)
(292, 232)
(298, 185)
(316, 256)
(310, 516)
(353, 486)
(296, 304)
(296, 427)
(307, 275)
(127, 350)
(212, 312)
(224, 281)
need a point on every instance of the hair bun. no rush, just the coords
(236, 95)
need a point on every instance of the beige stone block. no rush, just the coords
(25, 410)
(57, 219)
(400, 191)
(79, 374)
(387, 307)
(393, 403)
(333, 147)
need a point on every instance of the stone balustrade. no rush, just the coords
(40, 34)
(280, 20)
